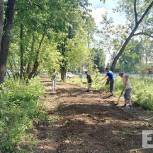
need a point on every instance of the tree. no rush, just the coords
(78, 52)
(44, 28)
(147, 52)
(1, 19)
(5, 39)
(59, 25)
(137, 21)
(98, 58)
(78, 19)
(110, 37)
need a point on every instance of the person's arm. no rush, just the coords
(104, 78)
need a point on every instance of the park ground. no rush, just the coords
(82, 122)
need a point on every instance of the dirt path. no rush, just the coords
(84, 122)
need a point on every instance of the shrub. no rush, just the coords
(18, 103)
(142, 92)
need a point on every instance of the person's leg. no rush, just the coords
(107, 84)
(129, 92)
(53, 85)
(111, 86)
(127, 97)
(90, 84)
(89, 87)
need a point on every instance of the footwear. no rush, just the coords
(53, 92)
(111, 93)
(124, 105)
(131, 107)
(128, 107)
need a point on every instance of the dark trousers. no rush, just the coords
(111, 88)
(111, 84)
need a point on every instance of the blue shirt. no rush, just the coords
(110, 75)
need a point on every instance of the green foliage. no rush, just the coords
(99, 57)
(97, 80)
(49, 34)
(18, 102)
(77, 51)
(142, 92)
(131, 58)
(114, 35)
(51, 58)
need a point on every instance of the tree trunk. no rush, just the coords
(1, 19)
(122, 49)
(1, 33)
(63, 65)
(34, 70)
(36, 63)
(28, 69)
(8, 23)
(11, 69)
(21, 52)
(63, 71)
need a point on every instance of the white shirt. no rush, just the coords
(126, 81)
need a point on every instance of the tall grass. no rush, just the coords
(18, 103)
(143, 92)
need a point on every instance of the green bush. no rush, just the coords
(18, 103)
(142, 92)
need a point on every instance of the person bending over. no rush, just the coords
(109, 77)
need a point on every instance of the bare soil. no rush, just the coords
(83, 122)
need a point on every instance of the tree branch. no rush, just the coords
(145, 13)
(135, 11)
(143, 33)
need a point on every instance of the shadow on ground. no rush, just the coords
(87, 123)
